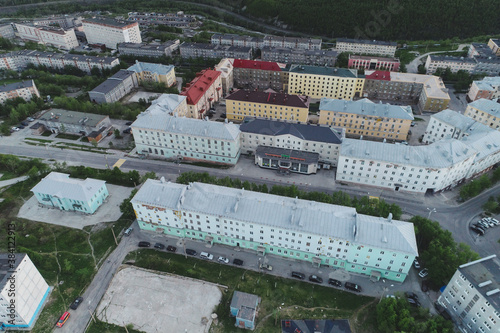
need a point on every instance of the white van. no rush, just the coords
(206, 255)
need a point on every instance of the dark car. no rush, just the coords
(223, 116)
(352, 286)
(159, 246)
(298, 275)
(24, 123)
(477, 230)
(128, 123)
(335, 283)
(413, 302)
(76, 303)
(144, 244)
(171, 248)
(315, 278)
(191, 252)
(424, 287)
(410, 294)
(238, 262)
(127, 130)
(20, 127)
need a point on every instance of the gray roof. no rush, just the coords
(186, 126)
(73, 117)
(302, 131)
(245, 303)
(16, 85)
(485, 272)
(64, 56)
(440, 154)
(285, 50)
(146, 46)
(452, 59)
(159, 69)
(367, 108)
(282, 212)
(486, 141)
(108, 21)
(486, 105)
(455, 119)
(7, 267)
(488, 83)
(112, 82)
(165, 104)
(365, 41)
(323, 70)
(60, 185)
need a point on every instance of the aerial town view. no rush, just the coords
(228, 166)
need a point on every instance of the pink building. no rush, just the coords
(374, 63)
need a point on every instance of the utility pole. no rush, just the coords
(114, 236)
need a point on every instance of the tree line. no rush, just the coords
(478, 185)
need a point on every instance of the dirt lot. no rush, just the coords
(158, 302)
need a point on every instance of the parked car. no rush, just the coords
(15, 129)
(127, 130)
(223, 260)
(416, 264)
(335, 283)
(424, 286)
(206, 255)
(76, 303)
(144, 244)
(128, 232)
(223, 116)
(352, 286)
(477, 230)
(410, 294)
(238, 262)
(191, 252)
(315, 278)
(495, 221)
(266, 266)
(423, 273)
(413, 302)
(31, 119)
(413, 123)
(159, 246)
(24, 123)
(171, 248)
(63, 319)
(298, 275)
(128, 123)
(20, 127)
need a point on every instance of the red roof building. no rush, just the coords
(202, 92)
(253, 64)
(379, 75)
(259, 75)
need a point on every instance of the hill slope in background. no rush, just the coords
(383, 19)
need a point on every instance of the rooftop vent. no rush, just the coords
(492, 292)
(485, 283)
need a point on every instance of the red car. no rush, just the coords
(63, 319)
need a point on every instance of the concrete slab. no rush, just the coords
(158, 302)
(108, 212)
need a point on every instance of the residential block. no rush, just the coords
(64, 39)
(484, 111)
(116, 87)
(373, 47)
(202, 92)
(260, 75)
(111, 32)
(24, 89)
(150, 72)
(152, 50)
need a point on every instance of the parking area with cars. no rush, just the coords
(481, 226)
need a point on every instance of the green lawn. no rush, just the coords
(68, 136)
(300, 300)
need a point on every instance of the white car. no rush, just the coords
(423, 273)
(223, 260)
(15, 129)
(206, 255)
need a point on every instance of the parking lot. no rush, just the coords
(158, 302)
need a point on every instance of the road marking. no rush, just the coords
(119, 163)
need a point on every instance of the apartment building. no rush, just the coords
(20, 306)
(64, 39)
(19, 60)
(321, 140)
(363, 118)
(115, 88)
(62, 21)
(160, 135)
(259, 75)
(484, 111)
(169, 104)
(319, 82)
(111, 32)
(237, 40)
(487, 61)
(487, 88)
(373, 47)
(494, 45)
(298, 229)
(7, 31)
(471, 297)
(177, 20)
(149, 72)
(449, 124)
(455, 64)
(428, 91)
(286, 161)
(299, 56)
(152, 50)
(202, 92)
(373, 63)
(59, 191)
(24, 89)
(251, 103)
(267, 41)
(226, 69)
(211, 51)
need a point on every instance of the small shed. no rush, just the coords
(244, 307)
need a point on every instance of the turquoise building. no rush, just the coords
(59, 191)
(244, 308)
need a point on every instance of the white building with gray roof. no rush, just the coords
(293, 228)
(115, 87)
(177, 138)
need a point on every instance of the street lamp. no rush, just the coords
(433, 210)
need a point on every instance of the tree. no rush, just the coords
(117, 133)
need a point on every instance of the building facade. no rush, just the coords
(202, 92)
(115, 88)
(259, 75)
(226, 69)
(177, 138)
(177, 20)
(472, 296)
(149, 50)
(319, 82)
(7, 31)
(267, 41)
(487, 88)
(494, 45)
(149, 72)
(59, 191)
(111, 32)
(286, 161)
(304, 230)
(321, 140)
(248, 103)
(299, 56)
(448, 124)
(23, 292)
(363, 118)
(484, 111)
(374, 47)
(237, 40)
(64, 39)
(211, 51)
(25, 89)
(455, 64)
(373, 63)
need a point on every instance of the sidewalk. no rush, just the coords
(12, 181)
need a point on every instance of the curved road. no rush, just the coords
(412, 67)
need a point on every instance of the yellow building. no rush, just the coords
(484, 111)
(318, 82)
(494, 45)
(434, 96)
(367, 119)
(150, 72)
(245, 103)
